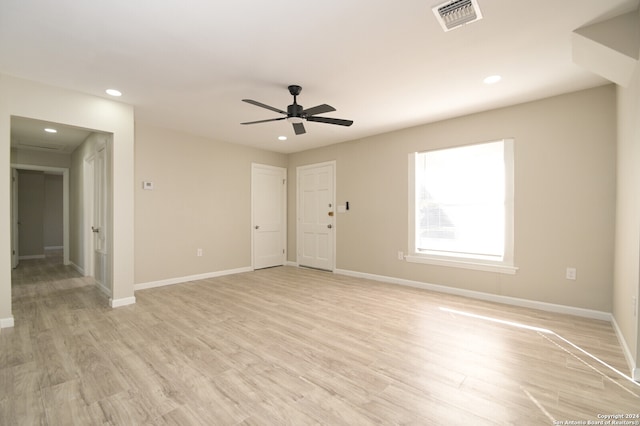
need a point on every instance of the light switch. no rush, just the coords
(147, 186)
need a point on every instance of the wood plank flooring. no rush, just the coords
(291, 346)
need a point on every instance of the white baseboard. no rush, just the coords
(291, 263)
(525, 303)
(77, 268)
(116, 303)
(178, 280)
(104, 290)
(33, 256)
(54, 248)
(6, 322)
(635, 372)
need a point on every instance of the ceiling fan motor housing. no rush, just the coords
(294, 110)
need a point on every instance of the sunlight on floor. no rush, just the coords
(546, 332)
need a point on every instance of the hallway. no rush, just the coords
(40, 271)
(38, 284)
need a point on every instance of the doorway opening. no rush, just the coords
(80, 158)
(39, 212)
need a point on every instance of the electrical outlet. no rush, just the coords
(199, 253)
(400, 255)
(571, 274)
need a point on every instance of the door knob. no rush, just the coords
(257, 226)
(329, 226)
(95, 229)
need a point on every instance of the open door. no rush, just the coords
(95, 217)
(99, 226)
(88, 207)
(15, 229)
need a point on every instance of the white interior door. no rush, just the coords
(88, 209)
(15, 229)
(268, 205)
(316, 214)
(99, 227)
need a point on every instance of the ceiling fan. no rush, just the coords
(296, 114)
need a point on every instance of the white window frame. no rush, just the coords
(481, 263)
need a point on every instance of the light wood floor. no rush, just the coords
(296, 346)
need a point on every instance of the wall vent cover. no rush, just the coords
(454, 14)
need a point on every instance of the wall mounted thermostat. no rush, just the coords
(147, 186)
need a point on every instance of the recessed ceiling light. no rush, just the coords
(113, 92)
(492, 79)
(50, 130)
(282, 138)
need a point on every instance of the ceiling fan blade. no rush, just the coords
(264, 121)
(320, 109)
(329, 120)
(299, 128)
(261, 105)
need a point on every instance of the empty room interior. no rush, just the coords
(362, 212)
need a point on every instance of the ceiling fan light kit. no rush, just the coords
(296, 114)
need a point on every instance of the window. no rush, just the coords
(461, 207)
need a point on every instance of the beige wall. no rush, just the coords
(40, 212)
(627, 248)
(201, 199)
(31, 206)
(564, 198)
(53, 208)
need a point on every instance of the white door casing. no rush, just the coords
(316, 216)
(268, 215)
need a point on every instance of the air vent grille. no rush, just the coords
(40, 147)
(453, 14)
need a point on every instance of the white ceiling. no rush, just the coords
(187, 65)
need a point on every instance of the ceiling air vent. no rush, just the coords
(453, 14)
(40, 147)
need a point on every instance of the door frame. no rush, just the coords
(331, 163)
(65, 201)
(284, 171)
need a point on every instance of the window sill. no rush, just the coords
(463, 263)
